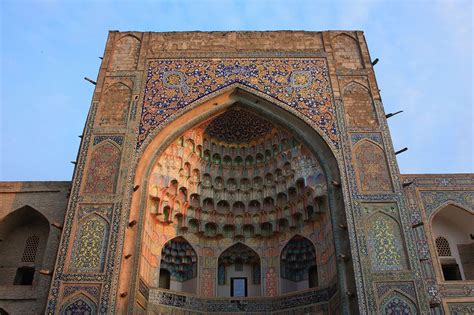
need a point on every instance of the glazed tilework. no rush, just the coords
(461, 308)
(302, 84)
(216, 305)
(398, 304)
(372, 170)
(405, 287)
(238, 126)
(103, 169)
(432, 200)
(93, 291)
(375, 137)
(79, 305)
(117, 139)
(169, 96)
(104, 210)
(385, 243)
(90, 245)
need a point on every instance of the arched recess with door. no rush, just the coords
(453, 242)
(24, 234)
(239, 272)
(199, 181)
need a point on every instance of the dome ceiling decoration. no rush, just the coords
(238, 126)
(216, 186)
(180, 259)
(297, 257)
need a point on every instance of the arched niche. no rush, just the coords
(79, 304)
(178, 266)
(358, 106)
(239, 272)
(453, 238)
(298, 268)
(396, 302)
(24, 234)
(113, 106)
(125, 53)
(347, 52)
(303, 131)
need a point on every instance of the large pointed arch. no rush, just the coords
(303, 129)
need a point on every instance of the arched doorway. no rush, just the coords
(453, 239)
(24, 234)
(238, 272)
(298, 269)
(226, 198)
(178, 266)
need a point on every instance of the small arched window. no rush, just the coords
(31, 247)
(442, 247)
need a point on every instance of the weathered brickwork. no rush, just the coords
(113, 109)
(197, 142)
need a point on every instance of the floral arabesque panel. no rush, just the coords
(301, 83)
(103, 169)
(385, 243)
(371, 164)
(90, 245)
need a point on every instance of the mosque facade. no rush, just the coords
(240, 173)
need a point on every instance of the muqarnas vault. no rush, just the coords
(238, 172)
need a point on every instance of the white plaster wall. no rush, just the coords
(188, 286)
(252, 289)
(455, 225)
(288, 286)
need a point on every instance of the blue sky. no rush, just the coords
(47, 47)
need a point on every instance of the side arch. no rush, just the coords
(453, 224)
(25, 235)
